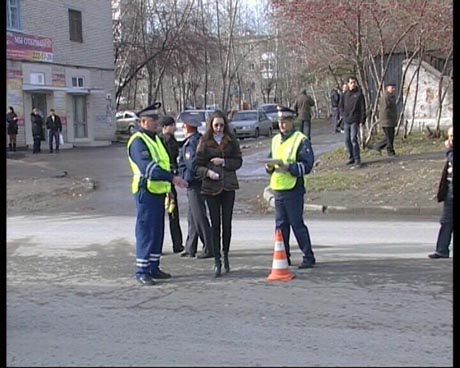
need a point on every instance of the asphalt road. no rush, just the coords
(374, 298)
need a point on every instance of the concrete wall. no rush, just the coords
(427, 96)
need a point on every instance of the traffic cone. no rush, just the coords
(280, 268)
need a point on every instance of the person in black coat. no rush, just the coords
(445, 194)
(12, 121)
(37, 129)
(54, 126)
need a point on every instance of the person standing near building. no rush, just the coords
(445, 195)
(168, 127)
(388, 119)
(149, 162)
(37, 129)
(54, 126)
(12, 128)
(198, 223)
(335, 113)
(302, 108)
(295, 158)
(353, 108)
(218, 159)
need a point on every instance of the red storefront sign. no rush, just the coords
(20, 46)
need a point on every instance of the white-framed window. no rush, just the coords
(13, 14)
(37, 78)
(78, 82)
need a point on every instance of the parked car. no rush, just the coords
(127, 122)
(201, 115)
(273, 110)
(251, 123)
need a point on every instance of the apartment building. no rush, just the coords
(60, 56)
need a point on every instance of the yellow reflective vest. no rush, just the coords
(285, 151)
(159, 155)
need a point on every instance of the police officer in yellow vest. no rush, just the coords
(293, 158)
(149, 161)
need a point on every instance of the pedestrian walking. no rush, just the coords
(197, 219)
(294, 159)
(353, 108)
(152, 178)
(388, 119)
(168, 127)
(37, 129)
(54, 126)
(218, 158)
(302, 108)
(445, 195)
(12, 128)
(335, 112)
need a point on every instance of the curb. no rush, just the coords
(371, 210)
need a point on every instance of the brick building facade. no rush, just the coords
(60, 56)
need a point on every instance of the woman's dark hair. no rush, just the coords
(11, 108)
(210, 131)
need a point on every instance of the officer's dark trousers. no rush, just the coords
(150, 224)
(289, 213)
(305, 128)
(447, 224)
(221, 212)
(174, 223)
(351, 140)
(198, 223)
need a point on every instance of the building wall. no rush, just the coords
(92, 60)
(426, 105)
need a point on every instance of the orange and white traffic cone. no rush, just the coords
(280, 268)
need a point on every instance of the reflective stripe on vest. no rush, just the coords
(285, 151)
(159, 155)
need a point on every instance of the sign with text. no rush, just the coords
(20, 46)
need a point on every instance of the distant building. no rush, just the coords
(60, 56)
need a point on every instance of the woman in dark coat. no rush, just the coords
(218, 158)
(445, 195)
(12, 121)
(37, 129)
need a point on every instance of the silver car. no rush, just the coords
(127, 122)
(251, 123)
(274, 112)
(201, 115)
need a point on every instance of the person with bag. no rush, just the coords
(37, 129)
(168, 126)
(218, 158)
(445, 195)
(54, 126)
(12, 121)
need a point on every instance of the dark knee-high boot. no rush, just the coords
(10, 147)
(226, 263)
(217, 267)
(14, 147)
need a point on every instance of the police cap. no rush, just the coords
(166, 121)
(150, 111)
(191, 120)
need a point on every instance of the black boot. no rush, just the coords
(10, 147)
(217, 268)
(226, 263)
(14, 147)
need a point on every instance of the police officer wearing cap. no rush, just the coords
(168, 127)
(198, 223)
(149, 161)
(294, 159)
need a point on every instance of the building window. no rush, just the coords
(37, 78)
(75, 28)
(77, 82)
(13, 14)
